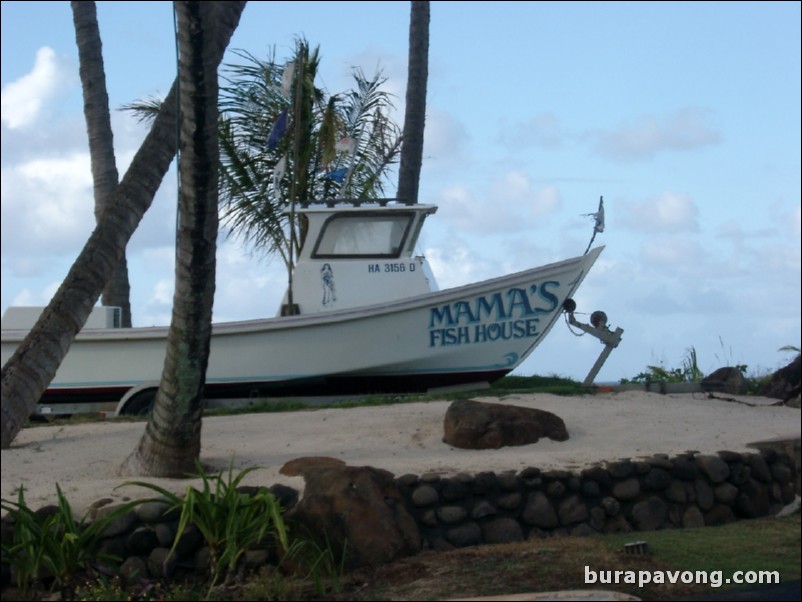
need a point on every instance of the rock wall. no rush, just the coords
(659, 492)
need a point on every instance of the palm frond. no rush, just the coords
(145, 110)
(259, 181)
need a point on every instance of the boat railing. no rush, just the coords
(331, 203)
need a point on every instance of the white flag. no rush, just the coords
(286, 79)
(278, 171)
(599, 217)
(346, 143)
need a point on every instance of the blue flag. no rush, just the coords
(338, 175)
(277, 131)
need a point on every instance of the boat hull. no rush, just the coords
(470, 334)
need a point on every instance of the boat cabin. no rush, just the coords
(358, 253)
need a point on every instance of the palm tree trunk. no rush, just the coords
(170, 445)
(415, 113)
(101, 139)
(27, 373)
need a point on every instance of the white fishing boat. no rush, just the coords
(363, 314)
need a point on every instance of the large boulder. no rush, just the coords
(785, 383)
(470, 424)
(356, 512)
(728, 380)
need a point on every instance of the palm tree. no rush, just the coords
(30, 369)
(283, 143)
(415, 112)
(170, 446)
(101, 139)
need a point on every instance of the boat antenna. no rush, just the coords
(598, 225)
(299, 75)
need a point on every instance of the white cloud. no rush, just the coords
(24, 298)
(458, 264)
(157, 307)
(779, 260)
(163, 292)
(749, 236)
(670, 212)
(457, 207)
(673, 253)
(40, 298)
(23, 100)
(47, 205)
(789, 222)
(444, 141)
(508, 203)
(248, 286)
(546, 201)
(731, 229)
(796, 222)
(686, 129)
(658, 301)
(374, 60)
(542, 130)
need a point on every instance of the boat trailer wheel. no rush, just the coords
(140, 404)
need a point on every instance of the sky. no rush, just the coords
(684, 117)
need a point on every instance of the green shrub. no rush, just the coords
(231, 522)
(318, 562)
(688, 372)
(55, 545)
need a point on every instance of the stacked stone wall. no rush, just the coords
(658, 492)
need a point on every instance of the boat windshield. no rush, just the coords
(363, 235)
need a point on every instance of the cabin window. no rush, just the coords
(363, 236)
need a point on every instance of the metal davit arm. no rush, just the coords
(597, 328)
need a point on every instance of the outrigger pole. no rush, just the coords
(598, 319)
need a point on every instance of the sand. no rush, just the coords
(404, 438)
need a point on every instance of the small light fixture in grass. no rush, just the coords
(636, 548)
